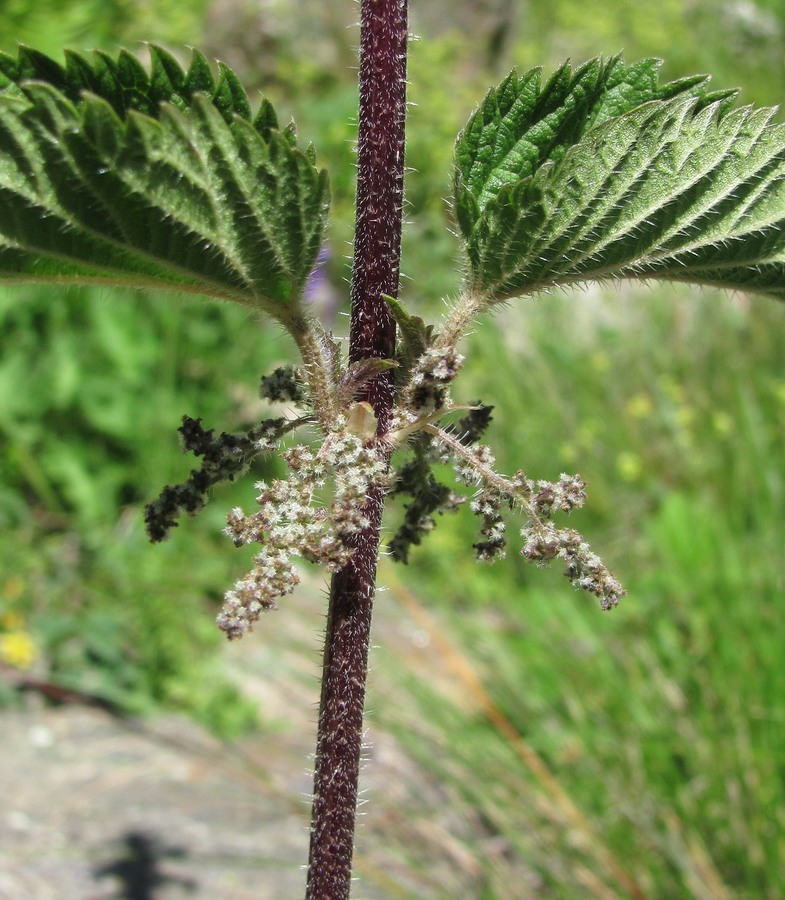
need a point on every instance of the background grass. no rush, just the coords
(574, 753)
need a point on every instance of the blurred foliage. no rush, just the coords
(663, 721)
(49, 26)
(739, 42)
(92, 389)
(90, 382)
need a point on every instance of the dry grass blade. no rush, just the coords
(462, 668)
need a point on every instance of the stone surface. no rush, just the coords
(97, 807)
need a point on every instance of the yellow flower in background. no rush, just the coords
(16, 646)
(13, 588)
(629, 466)
(722, 422)
(17, 649)
(11, 621)
(639, 406)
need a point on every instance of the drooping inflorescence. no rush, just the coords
(424, 401)
(314, 512)
(292, 521)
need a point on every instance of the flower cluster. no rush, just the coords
(224, 458)
(428, 496)
(488, 505)
(429, 382)
(290, 523)
(487, 502)
(543, 541)
(286, 384)
(583, 567)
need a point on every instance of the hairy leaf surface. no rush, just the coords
(162, 180)
(603, 174)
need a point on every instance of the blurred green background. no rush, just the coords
(605, 751)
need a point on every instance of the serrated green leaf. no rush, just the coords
(145, 180)
(266, 119)
(167, 79)
(679, 187)
(521, 123)
(229, 96)
(200, 77)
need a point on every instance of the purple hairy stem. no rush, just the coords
(376, 271)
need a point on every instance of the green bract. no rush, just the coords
(601, 173)
(166, 180)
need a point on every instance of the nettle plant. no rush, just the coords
(166, 178)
